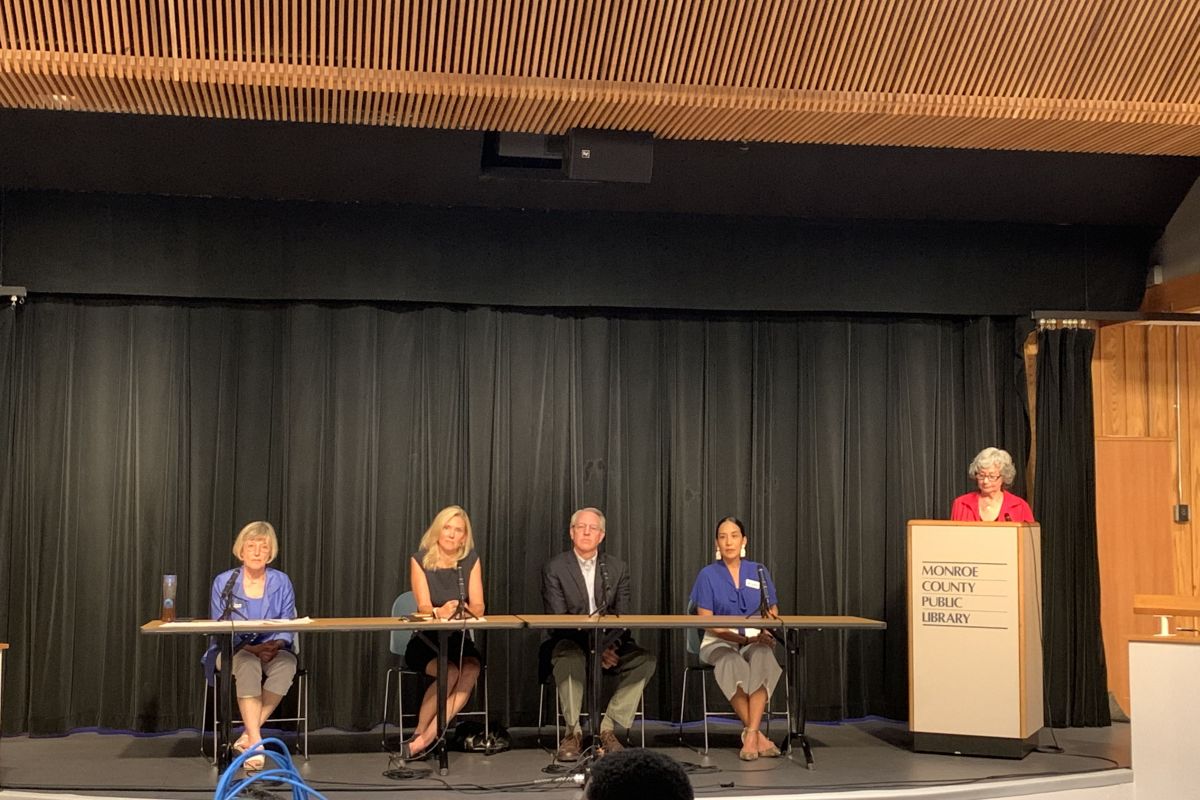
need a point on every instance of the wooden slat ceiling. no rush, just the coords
(1061, 75)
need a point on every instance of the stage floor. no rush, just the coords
(872, 755)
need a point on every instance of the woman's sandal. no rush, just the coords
(771, 751)
(254, 764)
(744, 754)
(407, 754)
(242, 743)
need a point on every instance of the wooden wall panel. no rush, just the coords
(1134, 539)
(1189, 366)
(1110, 394)
(1136, 402)
(1138, 465)
(1160, 380)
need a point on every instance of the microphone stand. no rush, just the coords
(599, 647)
(225, 752)
(463, 614)
(462, 611)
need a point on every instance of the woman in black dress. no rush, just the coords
(447, 550)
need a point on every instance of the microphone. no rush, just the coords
(604, 584)
(227, 595)
(461, 611)
(1007, 517)
(764, 603)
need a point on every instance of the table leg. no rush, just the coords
(594, 686)
(443, 666)
(798, 671)
(225, 746)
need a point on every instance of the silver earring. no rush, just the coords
(716, 555)
(743, 551)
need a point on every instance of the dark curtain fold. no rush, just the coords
(1076, 676)
(138, 437)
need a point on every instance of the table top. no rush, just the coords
(511, 621)
(696, 621)
(1166, 604)
(1183, 638)
(330, 625)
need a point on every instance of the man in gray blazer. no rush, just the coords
(584, 581)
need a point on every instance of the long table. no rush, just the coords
(793, 627)
(439, 629)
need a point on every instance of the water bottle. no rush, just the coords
(168, 597)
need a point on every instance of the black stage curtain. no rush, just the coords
(1065, 504)
(138, 437)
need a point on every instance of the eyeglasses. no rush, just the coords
(592, 528)
(985, 476)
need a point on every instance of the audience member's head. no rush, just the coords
(636, 773)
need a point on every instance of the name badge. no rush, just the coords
(752, 584)
(238, 604)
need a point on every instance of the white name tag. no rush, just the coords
(752, 584)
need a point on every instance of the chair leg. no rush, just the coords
(541, 709)
(215, 699)
(682, 704)
(704, 702)
(304, 690)
(387, 694)
(557, 716)
(203, 727)
(487, 731)
(400, 700)
(643, 719)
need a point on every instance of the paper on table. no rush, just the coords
(235, 624)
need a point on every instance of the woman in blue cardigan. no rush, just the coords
(263, 663)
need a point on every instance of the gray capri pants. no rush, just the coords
(750, 667)
(251, 676)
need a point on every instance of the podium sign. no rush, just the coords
(974, 637)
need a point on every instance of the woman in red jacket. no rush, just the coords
(993, 472)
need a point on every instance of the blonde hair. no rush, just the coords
(256, 530)
(429, 540)
(994, 457)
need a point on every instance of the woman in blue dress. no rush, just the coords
(743, 659)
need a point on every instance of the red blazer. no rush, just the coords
(1012, 509)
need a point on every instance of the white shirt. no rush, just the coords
(588, 567)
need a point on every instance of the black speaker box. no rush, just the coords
(618, 156)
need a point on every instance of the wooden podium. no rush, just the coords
(974, 637)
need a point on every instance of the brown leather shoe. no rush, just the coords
(569, 747)
(609, 743)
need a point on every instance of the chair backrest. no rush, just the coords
(404, 605)
(693, 634)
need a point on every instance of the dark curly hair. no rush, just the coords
(636, 773)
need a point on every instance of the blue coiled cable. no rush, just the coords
(284, 771)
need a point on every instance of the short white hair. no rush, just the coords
(994, 457)
(257, 530)
(595, 511)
